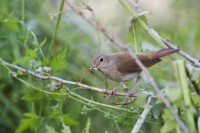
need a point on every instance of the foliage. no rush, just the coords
(29, 104)
(31, 121)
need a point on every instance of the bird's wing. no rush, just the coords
(126, 64)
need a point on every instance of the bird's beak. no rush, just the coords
(93, 68)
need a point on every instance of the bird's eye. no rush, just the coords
(101, 59)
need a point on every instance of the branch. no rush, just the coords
(142, 117)
(76, 97)
(196, 62)
(120, 45)
(62, 81)
(72, 95)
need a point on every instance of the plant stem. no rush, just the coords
(56, 27)
(78, 98)
(23, 12)
(183, 85)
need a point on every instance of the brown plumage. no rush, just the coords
(122, 67)
(126, 64)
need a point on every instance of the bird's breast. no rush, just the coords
(119, 77)
(127, 77)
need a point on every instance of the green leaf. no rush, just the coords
(29, 121)
(35, 40)
(69, 121)
(50, 129)
(87, 128)
(31, 54)
(45, 61)
(23, 59)
(37, 44)
(59, 62)
(54, 114)
(43, 42)
(65, 129)
(28, 95)
(130, 40)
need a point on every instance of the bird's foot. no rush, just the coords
(112, 92)
(130, 97)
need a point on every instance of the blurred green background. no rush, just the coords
(26, 29)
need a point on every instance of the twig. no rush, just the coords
(126, 102)
(119, 44)
(100, 104)
(196, 62)
(44, 77)
(56, 27)
(77, 98)
(136, 5)
(142, 117)
(195, 85)
(131, 92)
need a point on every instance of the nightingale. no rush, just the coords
(121, 67)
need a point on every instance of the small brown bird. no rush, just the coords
(122, 67)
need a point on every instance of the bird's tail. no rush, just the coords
(163, 52)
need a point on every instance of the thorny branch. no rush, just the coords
(123, 47)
